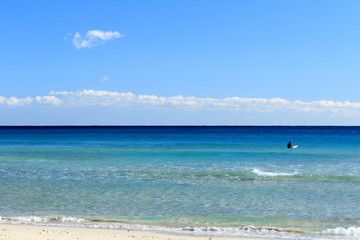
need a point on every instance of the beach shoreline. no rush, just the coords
(30, 232)
(214, 182)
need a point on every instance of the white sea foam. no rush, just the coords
(350, 231)
(46, 219)
(271, 174)
(247, 231)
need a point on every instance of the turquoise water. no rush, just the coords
(186, 179)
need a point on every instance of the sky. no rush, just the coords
(160, 62)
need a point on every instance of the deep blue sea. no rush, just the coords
(231, 181)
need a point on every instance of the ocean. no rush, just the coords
(200, 180)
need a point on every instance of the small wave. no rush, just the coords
(269, 230)
(271, 174)
(350, 231)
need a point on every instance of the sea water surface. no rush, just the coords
(231, 181)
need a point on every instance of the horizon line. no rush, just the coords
(176, 125)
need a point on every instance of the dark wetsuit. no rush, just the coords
(289, 145)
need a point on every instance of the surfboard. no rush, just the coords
(294, 146)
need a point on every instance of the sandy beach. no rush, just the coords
(31, 232)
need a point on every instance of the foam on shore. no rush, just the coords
(246, 231)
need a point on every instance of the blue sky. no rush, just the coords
(183, 62)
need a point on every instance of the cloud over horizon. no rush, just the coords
(131, 100)
(93, 38)
(14, 101)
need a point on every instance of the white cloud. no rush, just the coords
(105, 79)
(93, 38)
(130, 100)
(109, 98)
(48, 100)
(14, 101)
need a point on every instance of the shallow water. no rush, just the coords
(225, 178)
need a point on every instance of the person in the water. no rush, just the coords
(289, 145)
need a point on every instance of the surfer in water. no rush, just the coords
(289, 145)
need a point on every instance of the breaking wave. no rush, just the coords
(341, 231)
(271, 174)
